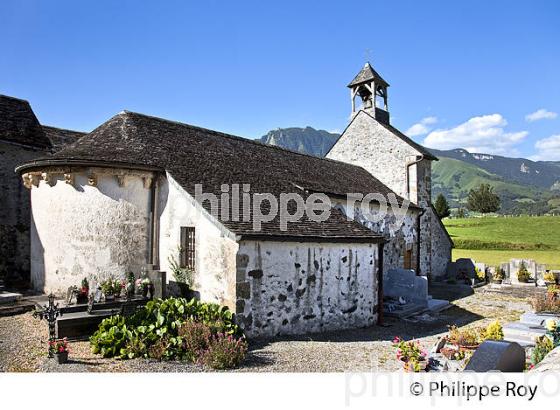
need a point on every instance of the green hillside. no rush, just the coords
(454, 178)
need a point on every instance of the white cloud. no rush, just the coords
(484, 134)
(422, 127)
(548, 149)
(541, 114)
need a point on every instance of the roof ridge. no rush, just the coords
(14, 98)
(234, 137)
(64, 129)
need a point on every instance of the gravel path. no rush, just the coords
(23, 343)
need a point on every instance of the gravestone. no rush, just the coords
(494, 355)
(465, 268)
(405, 283)
(159, 280)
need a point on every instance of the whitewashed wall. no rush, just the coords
(80, 230)
(296, 288)
(216, 247)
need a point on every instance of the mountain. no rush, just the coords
(524, 186)
(306, 140)
(523, 171)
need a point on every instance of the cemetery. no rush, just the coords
(141, 323)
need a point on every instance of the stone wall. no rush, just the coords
(296, 288)
(88, 222)
(216, 247)
(405, 237)
(441, 248)
(14, 213)
(369, 144)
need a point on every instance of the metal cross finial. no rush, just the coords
(367, 54)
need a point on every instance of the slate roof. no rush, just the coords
(367, 74)
(194, 155)
(60, 137)
(19, 125)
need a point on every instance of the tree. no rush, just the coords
(461, 213)
(442, 207)
(483, 199)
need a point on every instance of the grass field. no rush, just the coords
(493, 240)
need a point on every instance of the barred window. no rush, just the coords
(187, 247)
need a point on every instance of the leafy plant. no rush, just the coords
(494, 331)
(158, 320)
(181, 274)
(224, 352)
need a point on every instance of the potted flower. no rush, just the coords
(83, 292)
(499, 276)
(411, 355)
(549, 278)
(465, 339)
(523, 274)
(60, 350)
(129, 287)
(144, 285)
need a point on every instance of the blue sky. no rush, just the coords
(472, 70)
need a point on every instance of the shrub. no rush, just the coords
(196, 338)
(224, 352)
(500, 274)
(523, 274)
(549, 276)
(160, 349)
(158, 330)
(480, 274)
(546, 304)
(494, 331)
(465, 337)
(542, 347)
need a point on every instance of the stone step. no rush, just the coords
(438, 305)
(522, 341)
(537, 319)
(403, 311)
(9, 297)
(521, 331)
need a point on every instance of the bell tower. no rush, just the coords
(372, 90)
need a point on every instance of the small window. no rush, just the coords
(408, 259)
(187, 247)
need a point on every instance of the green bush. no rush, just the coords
(153, 331)
(224, 352)
(494, 331)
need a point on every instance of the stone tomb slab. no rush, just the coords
(493, 355)
(405, 283)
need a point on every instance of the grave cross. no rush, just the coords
(50, 312)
